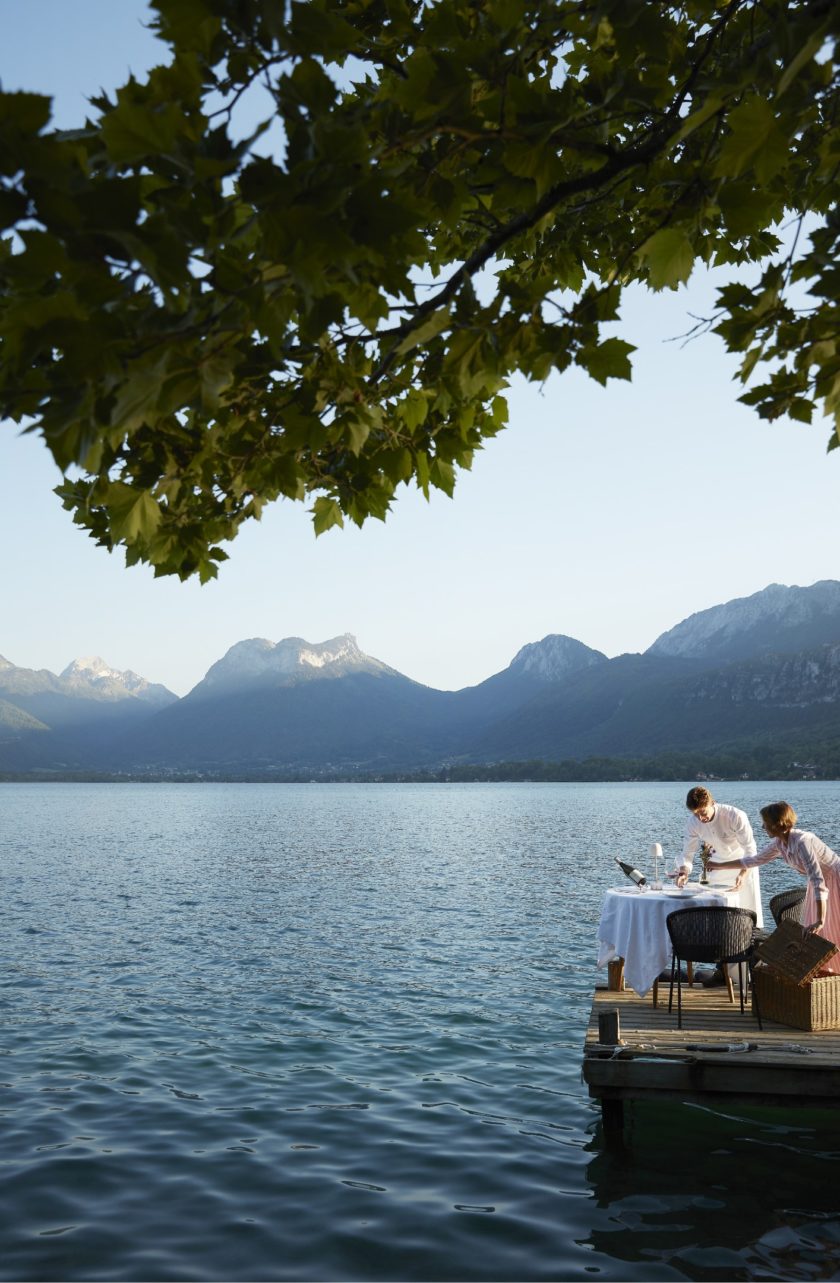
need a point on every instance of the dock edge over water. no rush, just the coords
(719, 1055)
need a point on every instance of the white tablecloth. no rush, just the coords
(633, 927)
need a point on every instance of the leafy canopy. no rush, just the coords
(452, 190)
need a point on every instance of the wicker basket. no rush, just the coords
(797, 954)
(815, 1005)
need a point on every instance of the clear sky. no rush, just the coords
(606, 514)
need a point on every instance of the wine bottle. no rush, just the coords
(633, 874)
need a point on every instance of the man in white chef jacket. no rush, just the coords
(729, 832)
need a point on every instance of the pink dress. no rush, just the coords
(808, 854)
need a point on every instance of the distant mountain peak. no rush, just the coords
(92, 673)
(257, 662)
(554, 657)
(320, 654)
(90, 667)
(776, 619)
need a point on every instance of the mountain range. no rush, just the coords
(754, 679)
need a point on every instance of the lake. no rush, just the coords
(309, 1032)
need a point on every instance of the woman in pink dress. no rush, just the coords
(806, 853)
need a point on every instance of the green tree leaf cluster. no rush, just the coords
(435, 197)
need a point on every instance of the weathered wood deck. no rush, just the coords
(659, 1061)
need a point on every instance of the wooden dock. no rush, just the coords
(702, 1061)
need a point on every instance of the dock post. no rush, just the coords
(609, 1028)
(612, 1110)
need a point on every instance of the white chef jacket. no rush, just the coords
(731, 835)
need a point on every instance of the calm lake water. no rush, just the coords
(259, 1032)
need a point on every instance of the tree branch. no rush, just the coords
(618, 164)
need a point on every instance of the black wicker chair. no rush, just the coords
(712, 934)
(788, 904)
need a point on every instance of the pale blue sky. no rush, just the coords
(607, 514)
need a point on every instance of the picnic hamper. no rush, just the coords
(786, 985)
(814, 1005)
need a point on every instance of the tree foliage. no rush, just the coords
(438, 193)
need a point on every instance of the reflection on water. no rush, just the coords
(335, 1032)
(751, 1194)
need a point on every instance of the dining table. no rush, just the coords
(633, 927)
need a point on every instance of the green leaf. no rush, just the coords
(369, 305)
(134, 514)
(29, 315)
(755, 140)
(429, 329)
(207, 570)
(537, 161)
(808, 51)
(711, 106)
(356, 430)
(327, 513)
(422, 471)
(499, 412)
(413, 409)
(216, 374)
(310, 85)
(669, 257)
(25, 113)
(609, 360)
(132, 130)
(801, 409)
(317, 29)
(188, 24)
(442, 475)
(747, 208)
(139, 394)
(749, 363)
(396, 464)
(568, 270)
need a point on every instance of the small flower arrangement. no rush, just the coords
(706, 855)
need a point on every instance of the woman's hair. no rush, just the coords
(698, 797)
(779, 817)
